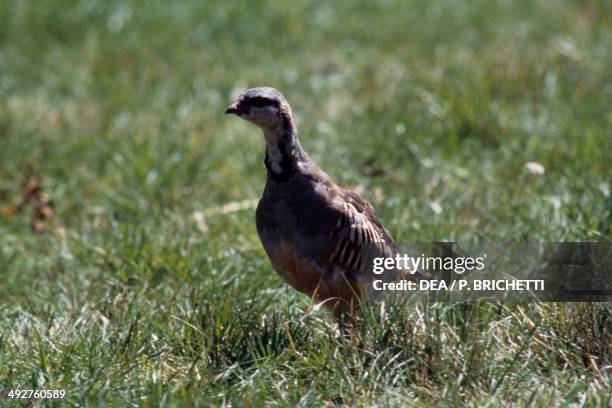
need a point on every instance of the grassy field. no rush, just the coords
(145, 288)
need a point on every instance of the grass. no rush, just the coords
(127, 299)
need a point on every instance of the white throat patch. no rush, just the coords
(275, 156)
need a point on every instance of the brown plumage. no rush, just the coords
(317, 234)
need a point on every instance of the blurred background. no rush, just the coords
(127, 197)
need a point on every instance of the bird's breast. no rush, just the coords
(286, 240)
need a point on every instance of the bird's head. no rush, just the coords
(264, 107)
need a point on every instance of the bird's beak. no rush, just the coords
(233, 108)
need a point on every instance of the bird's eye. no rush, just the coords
(259, 102)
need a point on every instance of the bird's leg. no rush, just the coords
(345, 314)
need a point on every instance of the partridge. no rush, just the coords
(317, 234)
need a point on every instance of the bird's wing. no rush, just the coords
(356, 237)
